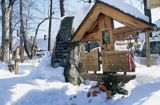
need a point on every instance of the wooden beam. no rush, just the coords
(102, 27)
(122, 30)
(94, 28)
(121, 17)
(124, 36)
(92, 37)
(109, 25)
(86, 24)
(148, 30)
(101, 22)
(126, 33)
(123, 33)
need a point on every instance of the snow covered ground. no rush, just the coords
(43, 85)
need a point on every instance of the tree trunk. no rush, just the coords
(50, 25)
(62, 11)
(21, 32)
(10, 28)
(5, 31)
(23, 39)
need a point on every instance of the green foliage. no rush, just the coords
(110, 82)
(10, 67)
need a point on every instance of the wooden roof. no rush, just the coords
(115, 14)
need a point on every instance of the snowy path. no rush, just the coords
(45, 85)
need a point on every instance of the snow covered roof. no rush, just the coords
(117, 10)
(126, 8)
(116, 4)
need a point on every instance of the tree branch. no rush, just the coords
(37, 28)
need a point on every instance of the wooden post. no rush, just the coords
(106, 23)
(109, 25)
(17, 58)
(148, 63)
(101, 26)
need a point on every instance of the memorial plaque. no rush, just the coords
(90, 61)
(62, 49)
(115, 61)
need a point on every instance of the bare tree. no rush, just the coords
(6, 9)
(23, 38)
(36, 33)
(11, 24)
(50, 25)
(62, 10)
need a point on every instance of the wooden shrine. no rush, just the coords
(98, 27)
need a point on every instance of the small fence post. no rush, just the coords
(148, 50)
(17, 58)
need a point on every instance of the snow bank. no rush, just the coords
(4, 72)
(144, 75)
(45, 85)
(45, 71)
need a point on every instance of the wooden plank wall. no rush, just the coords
(90, 61)
(115, 61)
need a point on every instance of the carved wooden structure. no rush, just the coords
(98, 26)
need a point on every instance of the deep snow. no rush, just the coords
(44, 85)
